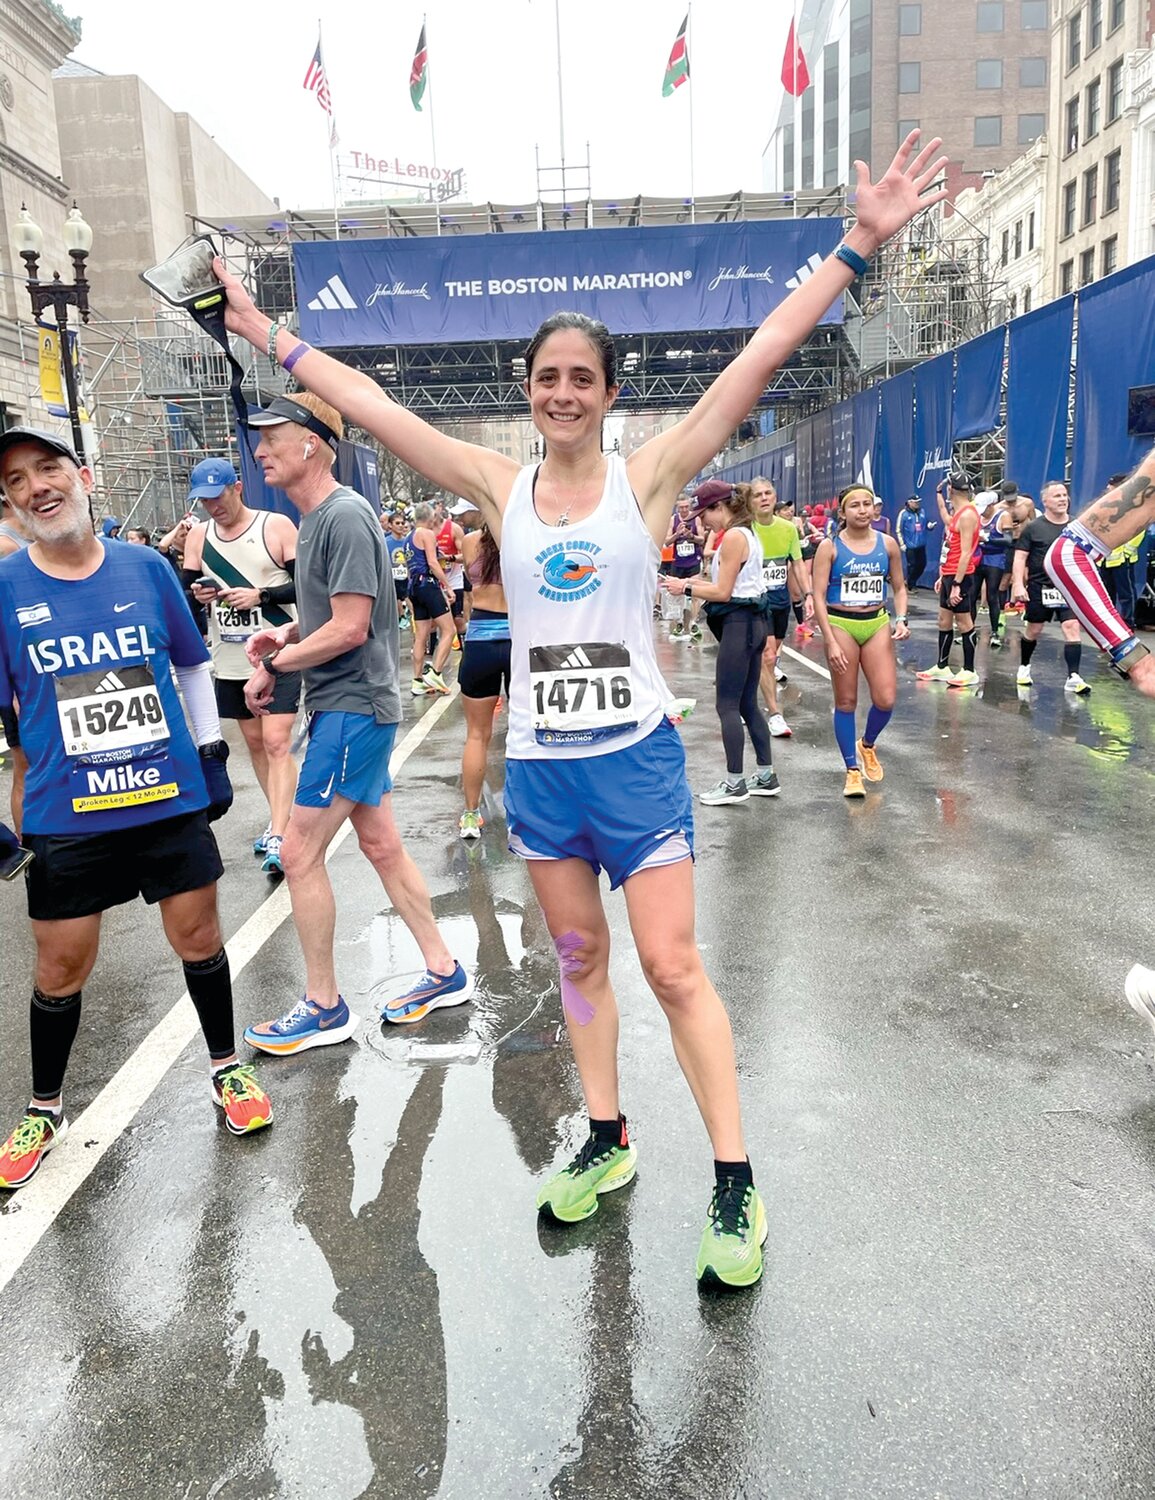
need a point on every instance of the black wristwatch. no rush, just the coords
(214, 750)
(269, 662)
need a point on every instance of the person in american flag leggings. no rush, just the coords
(1125, 510)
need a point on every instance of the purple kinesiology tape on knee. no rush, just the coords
(573, 1002)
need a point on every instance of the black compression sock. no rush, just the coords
(945, 642)
(611, 1132)
(1026, 651)
(799, 613)
(737, 1171)
(52, 1025)
(210, 989)
(969, 641)
(1073, 656)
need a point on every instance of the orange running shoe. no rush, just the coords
(28, 1145)
(246, 1105)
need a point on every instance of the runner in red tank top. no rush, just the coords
(957, 584)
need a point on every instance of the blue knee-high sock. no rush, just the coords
(844, 733)
(876, 721)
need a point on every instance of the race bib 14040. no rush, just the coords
(862, 589)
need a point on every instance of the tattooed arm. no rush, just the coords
(1125, 510)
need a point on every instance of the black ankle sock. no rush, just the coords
(613, 1132)
(738, 1171)
(945, 642)
(210, 989)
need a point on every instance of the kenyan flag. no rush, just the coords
(419, 72)
(678, 67)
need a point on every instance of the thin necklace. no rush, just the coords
(563, 519)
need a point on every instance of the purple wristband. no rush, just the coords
(294, 355)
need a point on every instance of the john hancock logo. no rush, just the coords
(568, 571)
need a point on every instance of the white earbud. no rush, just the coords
(308, 450)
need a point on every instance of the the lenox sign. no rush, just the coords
(461, 288)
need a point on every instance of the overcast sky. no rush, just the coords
(493, 86)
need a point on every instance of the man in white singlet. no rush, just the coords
(249, 555)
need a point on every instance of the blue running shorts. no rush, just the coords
(348, 756)
(626, 811)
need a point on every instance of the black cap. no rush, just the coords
(47, 440)
(285, 409)
(961, 480)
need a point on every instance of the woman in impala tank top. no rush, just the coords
(595, 773)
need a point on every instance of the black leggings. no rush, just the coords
(741, 637)
(996, 599)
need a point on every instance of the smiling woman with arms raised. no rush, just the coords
(595, 772)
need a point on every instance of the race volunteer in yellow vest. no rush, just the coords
(239, 565)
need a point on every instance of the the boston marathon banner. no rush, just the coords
(463, 289)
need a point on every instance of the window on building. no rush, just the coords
(830, 174)
(807, 178)
(1026, 299)
(1031, 230)
(1067, 218)
(1071, 130)
(1092, 95)
(988, 130)
(1090, 196)
(989, 73)
(1114, 91)
(1014, 306)
(904, 129)
(1094, 24)
(1086, 268)
(861, 63)
(1110, 256)
(1112, 176)
(1006, 247)
(1018, 239)
(910, 20)
(1115, 18)
(990, 15)
(1033, 16)
(1031, 128)
(1032, 72)
(909, 77)
(1074, 40)
(788, 159)
(1066, 277)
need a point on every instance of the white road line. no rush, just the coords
(33, 1210)
(806, 662)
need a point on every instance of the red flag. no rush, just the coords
(678, 67)
(795, 74)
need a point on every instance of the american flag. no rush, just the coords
(317, 83)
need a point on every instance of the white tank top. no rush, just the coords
(584, 679)
(243, 562)
(748, 584)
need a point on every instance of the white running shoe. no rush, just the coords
(1139, 987)
(779, 727)
(1023, 677)
(725, 791)
(1075, 684)
(779, 674)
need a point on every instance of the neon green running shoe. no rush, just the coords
(731, 1250)
(571, 1195)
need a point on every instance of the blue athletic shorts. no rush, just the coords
(623, 812)
(347, 756)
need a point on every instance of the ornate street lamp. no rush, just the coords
(59, 295)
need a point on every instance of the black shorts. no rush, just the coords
(483, 671)
(231, 696)
(969, 589)
(401, 588)
(80, 875)
(779, 618)
(458, 603)
(427, 599)
(1038, 613)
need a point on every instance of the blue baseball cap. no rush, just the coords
(210, 477)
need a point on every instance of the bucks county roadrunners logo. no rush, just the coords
(568, 571)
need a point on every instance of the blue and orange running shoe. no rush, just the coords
(306, 1025)
(431, 992)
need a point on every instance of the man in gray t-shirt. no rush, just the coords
(346, 644)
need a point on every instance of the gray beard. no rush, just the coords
(77, 529)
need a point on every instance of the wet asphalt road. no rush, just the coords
(951, 1113)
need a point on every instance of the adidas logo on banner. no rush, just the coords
(803, 273)
(333, 294)
(110, 684)
(576, 658)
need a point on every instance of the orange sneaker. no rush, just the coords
(28, 1145)
(246, 1105)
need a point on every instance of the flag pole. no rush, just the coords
(560, 99)
(432, 125)
(796, 144)
(690, 81)
(331, 122)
